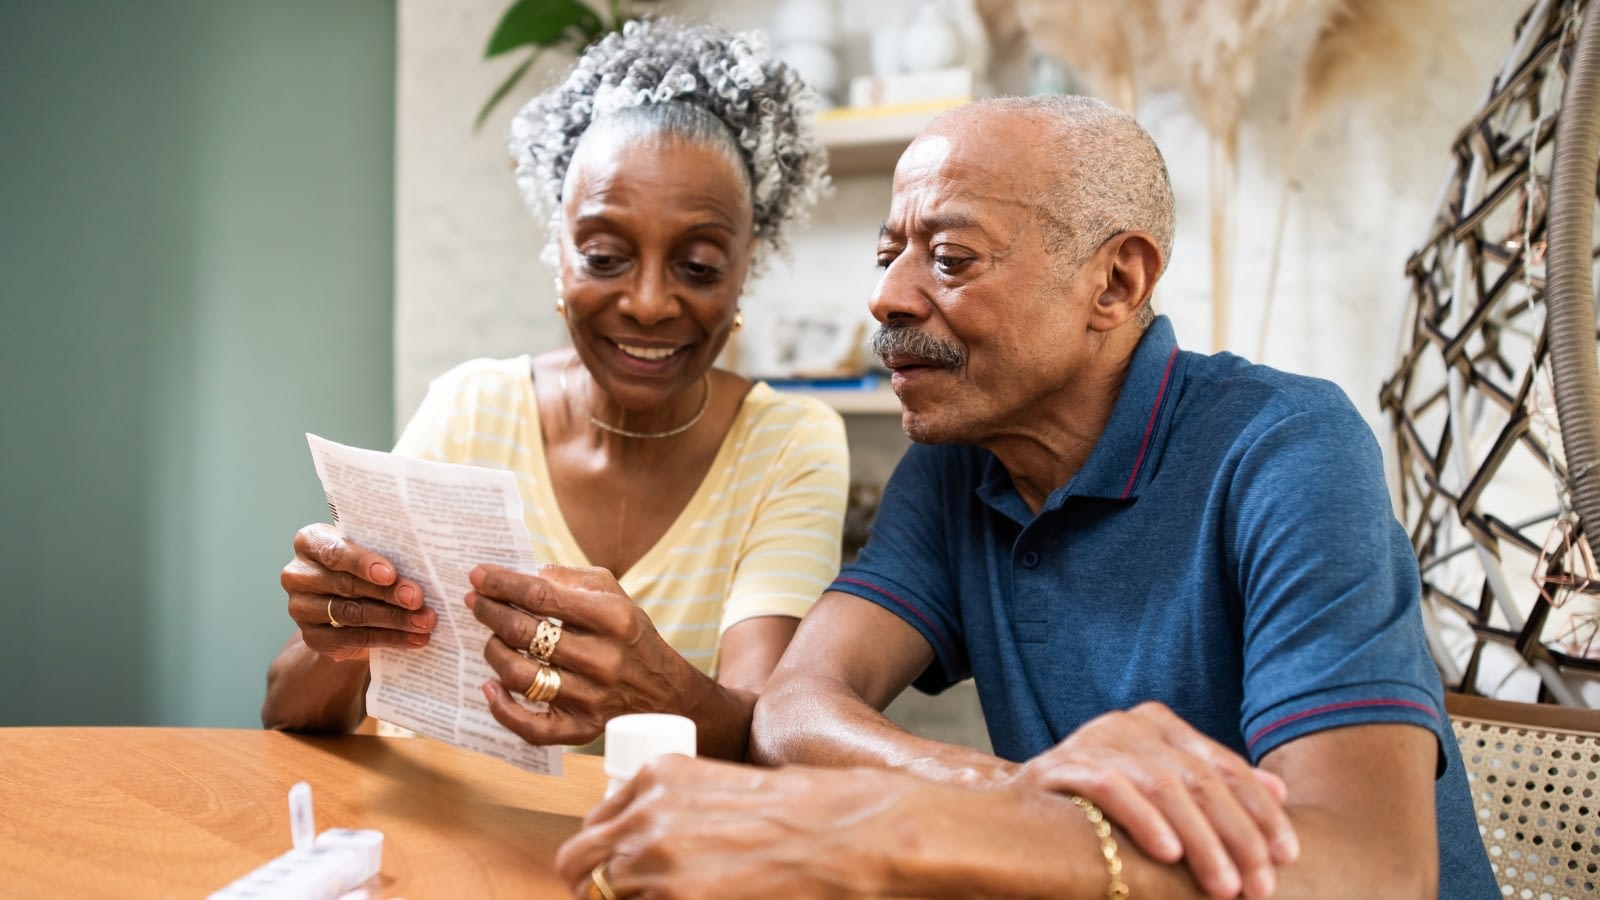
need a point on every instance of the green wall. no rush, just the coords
(196, 267)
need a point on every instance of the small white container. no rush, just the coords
(637, 738)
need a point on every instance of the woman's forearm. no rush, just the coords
(721, 716)
(306, 691)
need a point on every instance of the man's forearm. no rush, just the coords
(1024, 843)
(820, 721)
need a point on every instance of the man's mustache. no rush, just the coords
(901, 339)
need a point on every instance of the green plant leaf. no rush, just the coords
(504, 89)
(591, 26)
(541, 23)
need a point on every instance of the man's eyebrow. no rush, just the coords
(949, 222)
(941, 222)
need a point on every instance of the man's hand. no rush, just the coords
(1178, 795)
(693, 828)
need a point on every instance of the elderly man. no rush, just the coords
(1175, 579)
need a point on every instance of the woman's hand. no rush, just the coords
(347, 599)
(608, 655)
(1178, 795)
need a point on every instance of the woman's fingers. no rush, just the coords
(311, 610)
(596, 656)
(588, 597)
(326, 563)
(348, 599)
(556, 725)
(353, 643)
(610, 658)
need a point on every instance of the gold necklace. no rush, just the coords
(705, 404)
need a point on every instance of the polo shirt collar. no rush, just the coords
(1116, 468)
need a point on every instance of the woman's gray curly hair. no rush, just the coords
(763, 105)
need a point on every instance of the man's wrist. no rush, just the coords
(964, 768)
(1002, 842)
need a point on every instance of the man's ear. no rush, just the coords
(1132, 263)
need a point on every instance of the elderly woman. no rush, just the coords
(688, 517)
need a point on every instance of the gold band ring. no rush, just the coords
(543, 645)
(545, 686)
(331, 620)
(599, 885)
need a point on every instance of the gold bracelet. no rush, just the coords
(1116, 890)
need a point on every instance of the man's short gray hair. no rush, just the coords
(1108, 174)
(761, 104)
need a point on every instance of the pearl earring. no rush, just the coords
(561, 307)
(738, 320)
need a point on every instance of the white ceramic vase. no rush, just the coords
(806, 21)
(818, 66)
(930, 41)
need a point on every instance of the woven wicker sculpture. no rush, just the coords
(1493, 496)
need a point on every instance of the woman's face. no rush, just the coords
(657, 240)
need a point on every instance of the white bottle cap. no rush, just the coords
(635, 739)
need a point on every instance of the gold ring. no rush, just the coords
(543, 645)
(331, 620)
(599, 885)
(545, 686)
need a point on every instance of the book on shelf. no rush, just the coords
(869, 381)
(950, 87)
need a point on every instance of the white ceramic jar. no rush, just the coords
(806, 21)
(930, 41)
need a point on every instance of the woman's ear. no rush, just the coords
(1133, 264)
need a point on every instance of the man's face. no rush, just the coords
(978, 327)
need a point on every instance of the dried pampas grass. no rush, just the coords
(1363, 49)
(1102, 42)
(1369, 48)
(1210, 49)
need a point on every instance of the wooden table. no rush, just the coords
(180, 812)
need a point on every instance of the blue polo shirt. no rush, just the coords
(1227, 549)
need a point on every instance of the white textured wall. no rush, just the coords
(469, 282)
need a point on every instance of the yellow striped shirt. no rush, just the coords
(760, 536)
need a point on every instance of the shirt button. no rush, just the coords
(1030, 560)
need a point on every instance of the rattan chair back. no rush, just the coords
(1535, 776)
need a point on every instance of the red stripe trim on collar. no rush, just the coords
(1150, 426)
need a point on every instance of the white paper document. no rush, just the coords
(435, 522)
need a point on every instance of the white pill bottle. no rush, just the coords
(637, 738)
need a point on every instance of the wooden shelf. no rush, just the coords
(847, 401)
(869, 141)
